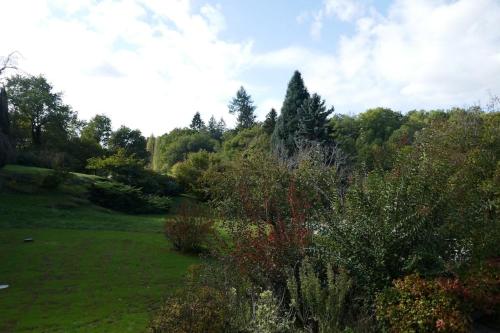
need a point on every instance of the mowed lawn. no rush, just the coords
(88, 269)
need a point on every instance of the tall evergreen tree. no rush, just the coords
(270, 121)
(197, 123)
(242, 105)
(214, 128)
(313, 123)
(287, 125)
(221, 125)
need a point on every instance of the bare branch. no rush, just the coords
(9, 62)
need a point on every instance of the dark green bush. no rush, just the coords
(126, 198)
(158, 204)
(54, 179)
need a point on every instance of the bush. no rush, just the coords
(201, 310)
(418, 305)
(54, 179)
(126, 198)
(130, 170)
(190, 231)
(320, 297)
(268, 317)
(158, 204)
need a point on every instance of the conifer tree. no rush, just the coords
(214, 129)
(242, 105)
(313, 123)
(270, 121)
(287, 125)
(197, 123)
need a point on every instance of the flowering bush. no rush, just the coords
(414, 304)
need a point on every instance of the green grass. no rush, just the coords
(88, 270)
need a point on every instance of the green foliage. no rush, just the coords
(130, 171)
(313, 123)
(268, 316)
(38, 112)
(270, 121)
(178, 144)
(434, 210)
(287, 124)
(320, 299)
(191, 173)
(242, 105)
(216, 129)
(98, 129)
(197, 123)
(126, 198)
(55, 179)
(246, 141)
(190, 230)
(418, 305)
(131, 141)
(376, 127)
(202, 310)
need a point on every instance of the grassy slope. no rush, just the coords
(89, 269)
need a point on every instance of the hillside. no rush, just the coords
(88, 269)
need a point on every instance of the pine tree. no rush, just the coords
(270, 121)
(214, 129)
(242, 105)
(197, 123)
(285, 131)
(221, 126)
(313, 123)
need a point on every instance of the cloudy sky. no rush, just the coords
(151, 64)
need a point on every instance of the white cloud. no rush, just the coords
(148, 64)
(344, 10)
(422, 54)
(151, 64)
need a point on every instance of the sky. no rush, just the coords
(151, 64)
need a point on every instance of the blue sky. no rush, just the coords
(151, 64)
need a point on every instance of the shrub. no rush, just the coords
(481, 289)
(129, 170)
(268, 317)
(126, 198)
(189, 231)
(54, 179)
(116, 196)
(320, 297)
(418, 305)
(201, 310)
(158, 204)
